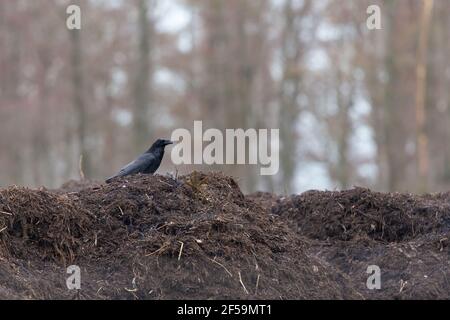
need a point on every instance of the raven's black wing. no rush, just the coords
(136, 166)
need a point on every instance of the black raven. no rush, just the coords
(147, 162)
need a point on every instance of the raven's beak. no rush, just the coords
(168, 142)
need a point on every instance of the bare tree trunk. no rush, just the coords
(11, 93)
(394, 166)
(421, 77)
(141, 120)
(344, 104)
(78, 100)
(109, 131)
(245, 77)
(289, 91)
(42, 168)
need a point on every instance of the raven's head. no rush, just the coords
(161, 143)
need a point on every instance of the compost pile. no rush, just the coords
(199, 237)
(405, 235)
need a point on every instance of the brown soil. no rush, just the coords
(406, 235)
(199, 237)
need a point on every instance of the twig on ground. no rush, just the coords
(181, 250)
(155, 252)
(168, 184)
(257, 284)
(402, 285)
(231, 275)
(242, 283)
(165, 225)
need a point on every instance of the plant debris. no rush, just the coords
(199, 237)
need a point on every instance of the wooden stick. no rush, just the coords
(231, 275)
(154, 252)
(181, 250)
(257, 285)
(242, 283)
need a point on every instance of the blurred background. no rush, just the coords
(354, 106)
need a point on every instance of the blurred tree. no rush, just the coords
(421, 75)
(293, 50)
(142, 125)
(310, 68)
(79, 102)
(389, 66)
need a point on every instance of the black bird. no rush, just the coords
(147, 162)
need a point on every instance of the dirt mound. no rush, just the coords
(418, 269)
(361, 213)
(155, 237)
(41, 224)
(406, 236)
(199, 237)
